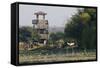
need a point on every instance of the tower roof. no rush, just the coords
(40, 13)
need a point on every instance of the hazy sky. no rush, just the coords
(56, 16)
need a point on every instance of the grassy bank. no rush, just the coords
(53, 54)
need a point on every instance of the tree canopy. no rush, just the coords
(82, 26)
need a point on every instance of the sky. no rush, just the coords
(56, 16)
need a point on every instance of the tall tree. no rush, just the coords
(82, 27)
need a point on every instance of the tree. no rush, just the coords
(54, 37)
(25, 34)
(91, 27)
(59, 35)
(35, 36)
(82, 27)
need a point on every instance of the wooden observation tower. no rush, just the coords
(41, 27)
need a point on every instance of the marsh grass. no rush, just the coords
(53, 55)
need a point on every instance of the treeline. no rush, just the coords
(82, 27)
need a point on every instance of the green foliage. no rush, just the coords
(82, 27)
(55, 36)
(35, 36)
(52, 38)
(85, 17)
(27, 34)
(60, 35)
